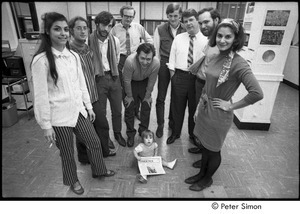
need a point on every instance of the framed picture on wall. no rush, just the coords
(277, 17)
(272, 37)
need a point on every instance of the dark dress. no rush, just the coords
(212, 124)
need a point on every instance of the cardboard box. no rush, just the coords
(9, 115)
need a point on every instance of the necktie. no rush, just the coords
(127, 42)
(190, 55)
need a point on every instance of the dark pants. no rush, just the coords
(183, 93)
(110, 89)
(199, 85)
(138, 89)
(120, 68)
(162, 88)
(102, 128)
(85, 131)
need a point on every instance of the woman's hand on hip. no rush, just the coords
(221, 104)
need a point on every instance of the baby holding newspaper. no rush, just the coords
(149, 148)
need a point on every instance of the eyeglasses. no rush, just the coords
(85, 28)
(128, 17)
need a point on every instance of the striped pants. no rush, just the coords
(85, 131)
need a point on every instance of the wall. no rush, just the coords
(8, 26)
(291, 69)
(68, 9)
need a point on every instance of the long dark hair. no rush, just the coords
(47, 21)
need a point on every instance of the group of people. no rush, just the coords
(121, 63)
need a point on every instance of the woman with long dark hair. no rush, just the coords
(62, 104)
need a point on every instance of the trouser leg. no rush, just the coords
(85, 131)
(191, 104)
(179, 102)
(120, 68)
(102, 128)
(64, 142)
(162, 88)
(115, 99)
(129, 119)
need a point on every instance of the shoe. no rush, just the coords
(160, 131)
(109, 173)
(112, 152)
(77, 188)
(193, 179)
(130, 141)
(141, 179)
(173, 164)
(111, 144)
(172, 139)
(119, 138)
(197, 164)
(195, 150)
(199, 186)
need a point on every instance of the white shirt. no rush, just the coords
(59, 105)
(136, 32)
(103, 46)
(180, 49)
(156, 39)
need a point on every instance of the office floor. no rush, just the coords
(255, 164)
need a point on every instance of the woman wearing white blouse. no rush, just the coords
(61, 100)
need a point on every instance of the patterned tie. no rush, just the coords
(190, 55)
(127, 41)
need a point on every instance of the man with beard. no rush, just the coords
(106, 49)
(208, 19)
(79, 31)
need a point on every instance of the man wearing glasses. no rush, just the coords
(130, 35)
(79, 31)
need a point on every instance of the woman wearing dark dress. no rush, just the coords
(214, 114)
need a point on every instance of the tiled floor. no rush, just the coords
(255, 164)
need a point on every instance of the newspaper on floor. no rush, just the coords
(151, 166)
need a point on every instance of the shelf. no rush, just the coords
(20, 93)
(23, 107)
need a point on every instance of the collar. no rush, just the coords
(196, 35)
(124, 26)
(64, 53)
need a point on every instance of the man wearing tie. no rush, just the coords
(186, 49)
(130, 35)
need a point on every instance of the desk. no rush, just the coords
(10, 81)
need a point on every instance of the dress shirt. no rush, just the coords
(103, 46)
(180, 49)
(156, 39)
(132, 70)
(136, 32)
(59, 105)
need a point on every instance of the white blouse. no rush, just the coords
(59, 105)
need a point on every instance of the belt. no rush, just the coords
(183, 72)
(201, 80)
(107, 73)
